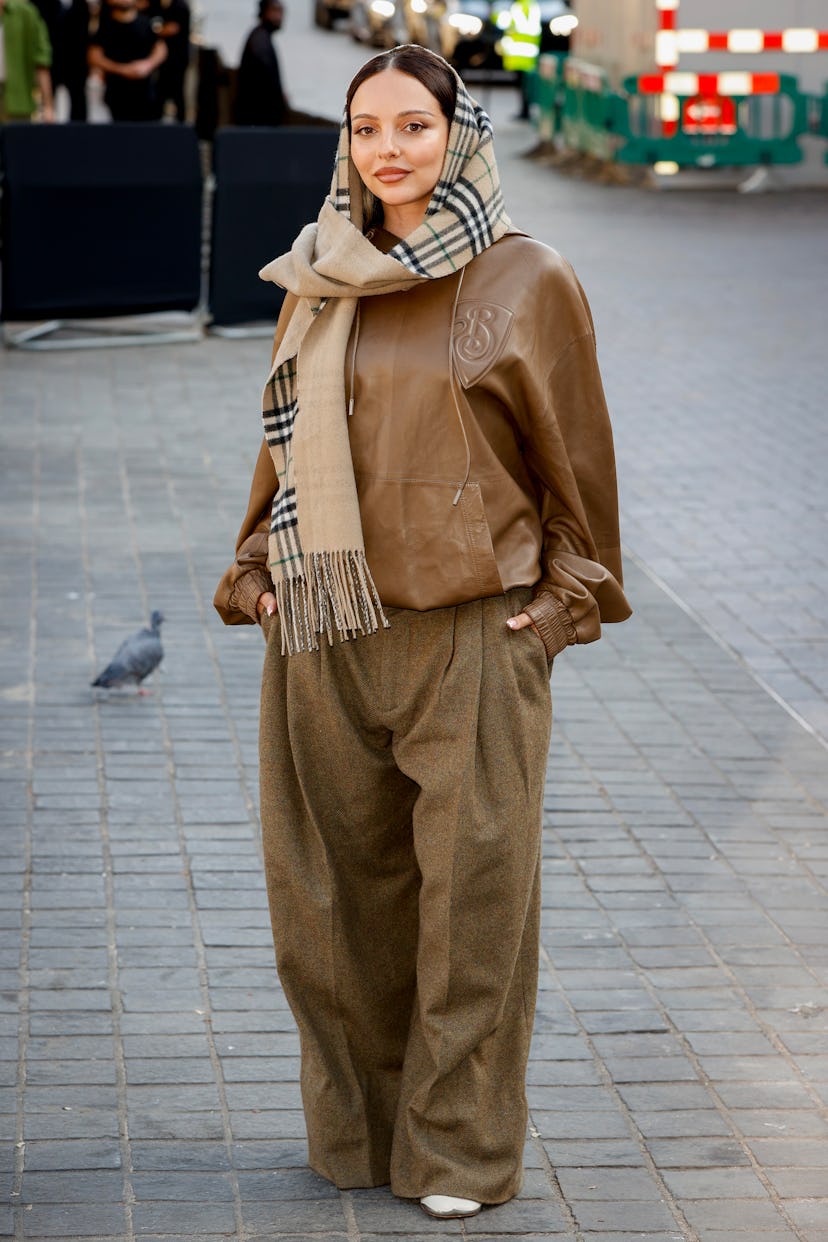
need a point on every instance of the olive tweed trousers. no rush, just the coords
(402, 779)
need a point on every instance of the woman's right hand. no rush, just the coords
(266, 603)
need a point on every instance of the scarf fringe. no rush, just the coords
(336, 594)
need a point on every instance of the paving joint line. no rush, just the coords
(198, 939)
(116, 999)
(347, 1202)
(24, 992)
(668, 1198)
(218, 672)
(724, 645)
(817, 805)
(816, 880)
(736, 1131)
(552, 1178)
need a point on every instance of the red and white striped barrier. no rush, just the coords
(672, 42)
(751, 41)
(690, 84)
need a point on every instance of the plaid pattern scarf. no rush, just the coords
(316, 548)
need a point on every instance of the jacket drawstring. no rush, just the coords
(453, 386)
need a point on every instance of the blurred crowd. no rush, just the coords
(138, 53)
(138, 48)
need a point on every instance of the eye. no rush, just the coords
(364, 131)
(415, 127)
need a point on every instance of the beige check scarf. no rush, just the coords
(322, 580)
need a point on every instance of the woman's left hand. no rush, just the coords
(521, 621)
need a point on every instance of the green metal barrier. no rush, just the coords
(591, 114)
(765, 130)
(545, 89)
(575, 105)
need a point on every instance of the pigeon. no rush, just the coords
(135, 659)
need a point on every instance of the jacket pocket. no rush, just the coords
(423, 550)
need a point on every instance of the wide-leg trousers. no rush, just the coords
(402, 779)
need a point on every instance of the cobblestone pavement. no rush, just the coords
(679, 1075)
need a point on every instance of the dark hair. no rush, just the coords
(418, 62)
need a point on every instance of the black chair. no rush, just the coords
(269, 183)
(99, 221)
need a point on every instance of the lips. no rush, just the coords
(391, 174)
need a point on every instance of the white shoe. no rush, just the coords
(446, 1207)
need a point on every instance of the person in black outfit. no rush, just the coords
(260, 99)
(128, 52)
(68, 24)
(171, 21)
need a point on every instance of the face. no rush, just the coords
(273, 16)
(398, 142)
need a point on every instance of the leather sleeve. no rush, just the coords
(248, 577)
(569, 451)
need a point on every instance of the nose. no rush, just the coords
(389, 146)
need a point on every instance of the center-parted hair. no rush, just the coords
(427, 67)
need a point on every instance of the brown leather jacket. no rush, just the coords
(516, 424)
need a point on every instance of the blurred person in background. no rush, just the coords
(68, 24)
(171, 20)
(260, 99)
(433, 519)
(520, 47)
(25, 63)
(128, 52)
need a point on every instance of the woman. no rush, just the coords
(459, 524)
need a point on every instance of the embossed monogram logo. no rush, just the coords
(474, 338)
(480, 332)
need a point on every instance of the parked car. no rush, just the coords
(471, 31)
(325, 12)
(423, 18)
(382, 23)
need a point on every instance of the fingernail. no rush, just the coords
(271, 611)
(512, 623)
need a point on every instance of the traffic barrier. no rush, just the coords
(545, 91)
(712, 108)
(98, 221)
(671, 116)
(269, 184)
(672, 41)
(686, 119)
(104, 223)
(709, 120)
(593, 116)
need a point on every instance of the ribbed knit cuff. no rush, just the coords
(246, 592)
(553, 622)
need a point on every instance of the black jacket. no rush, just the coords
(259, 96)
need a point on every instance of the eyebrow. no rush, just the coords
(369, 116)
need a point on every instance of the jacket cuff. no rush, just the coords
(246, 592)
(553, 622)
